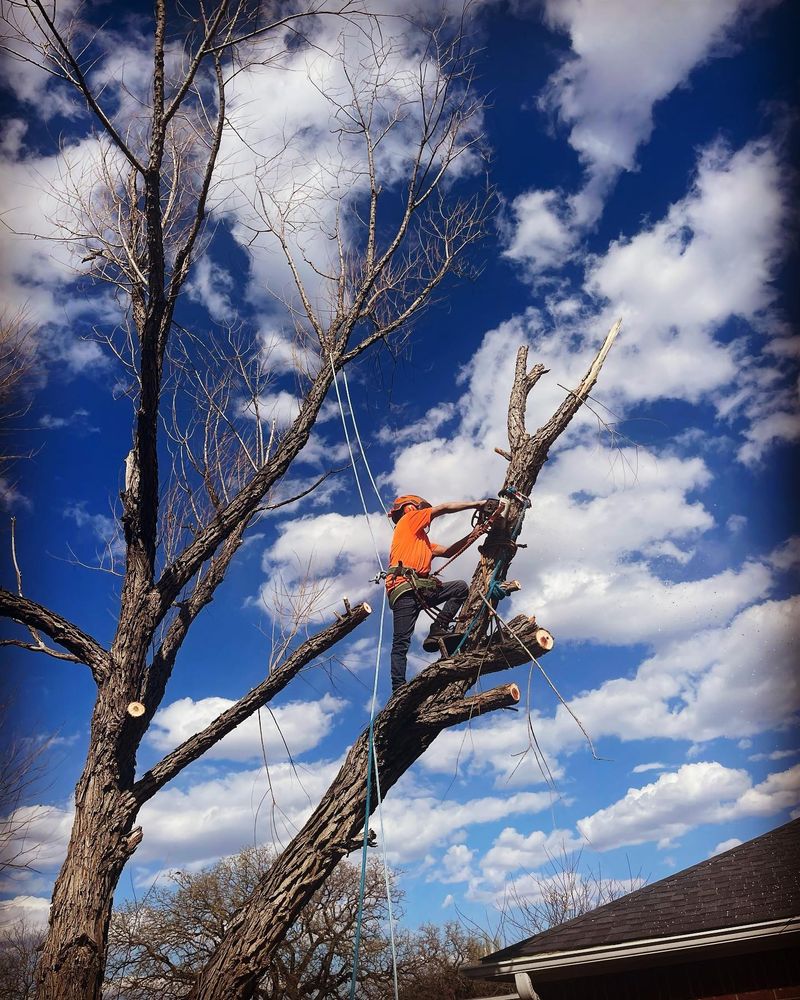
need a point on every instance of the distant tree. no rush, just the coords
(19, 953)
(565, 888)
(430, 959)
(159, 944)
(17, 370)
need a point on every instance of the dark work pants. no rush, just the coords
(405, 612)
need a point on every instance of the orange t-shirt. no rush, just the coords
(410, 545)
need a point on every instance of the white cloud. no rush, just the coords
(211, 285)
(774, 755)
(216, 817)
(542, 235)
(643, 768)
(334, 551)
(417, 821)
(293, 728)
(512, 850)
(725, 845)
(40, 835)
(712, 257)
(28, 912)
(697, 689)
(456, 864)
(626, 56)
(278, 407)
(695, 794)
(291, 142)
(787, 555)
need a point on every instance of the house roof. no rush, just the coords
(756, 882)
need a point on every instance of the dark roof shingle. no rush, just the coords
(754, 882)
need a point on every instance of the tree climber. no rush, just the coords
(408, 581)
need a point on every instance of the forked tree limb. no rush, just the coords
(528, 452)
(411, 720)
(32, 615)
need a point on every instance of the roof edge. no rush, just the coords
(772, 930)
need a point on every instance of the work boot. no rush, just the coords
(437, 632)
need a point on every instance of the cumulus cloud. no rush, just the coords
(541, 233)
(512, 850)
(657, 45)
(333, 552)
(695, 794)
(29, 913)
(208, 819)
(456, 864)
(211, 285)
(39, 835)
(678, 280)
(293, 728)
(418, 821)
(293, 164)
(695, 690)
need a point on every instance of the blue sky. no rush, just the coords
(642, 153)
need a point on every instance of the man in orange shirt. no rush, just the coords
(411, 547)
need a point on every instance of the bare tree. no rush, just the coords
(137, 213)
(564, 889)
(19, 952)
(393, 235)
(430, 959)
(159, 944)
(17, 366)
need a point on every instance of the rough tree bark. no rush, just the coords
(433, 701)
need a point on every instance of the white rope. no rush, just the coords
(353, 461)
(360, 445)
(379, 649)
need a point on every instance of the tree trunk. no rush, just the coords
(403, 731)
(72, 964)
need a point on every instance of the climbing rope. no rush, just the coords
(371, 752)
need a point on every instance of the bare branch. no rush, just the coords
(225, 723)
(561, 418)
(32, 615)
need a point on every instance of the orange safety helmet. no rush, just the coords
(409, 498)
